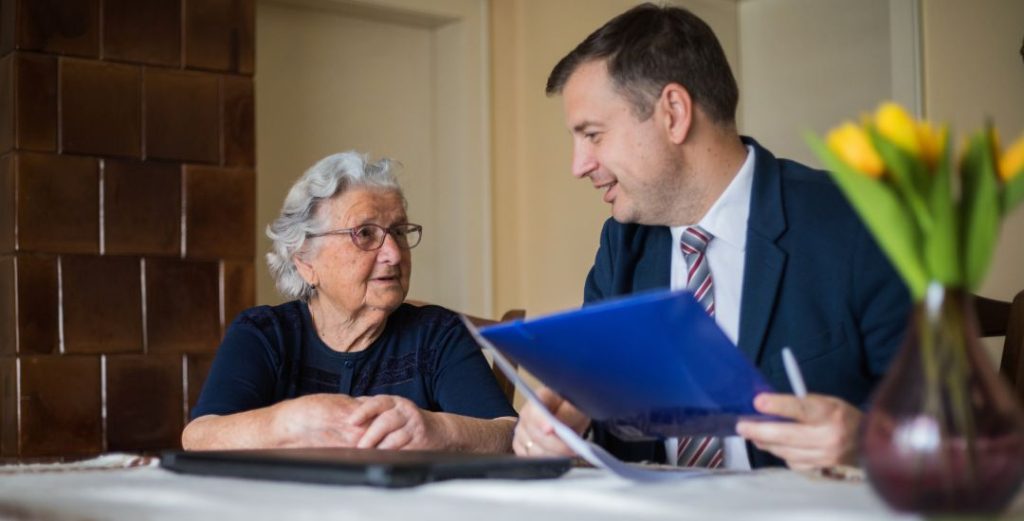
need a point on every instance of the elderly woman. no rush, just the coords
(348, 363)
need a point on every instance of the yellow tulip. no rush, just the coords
(896, 125)
(853, 146)
(932, 142)
(1011, 164)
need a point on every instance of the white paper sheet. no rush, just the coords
(591, 452)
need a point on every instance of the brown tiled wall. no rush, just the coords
(127, 194)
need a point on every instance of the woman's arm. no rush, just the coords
(464, 433)
(317, 420)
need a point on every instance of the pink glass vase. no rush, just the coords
(944, 435)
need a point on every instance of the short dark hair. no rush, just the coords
(649, 47)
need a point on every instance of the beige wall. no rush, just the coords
(546, 223)
(973, 71)
(794, 76)
(799, 76)
(396, 78)
(339, 64)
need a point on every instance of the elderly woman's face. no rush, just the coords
(355, 280)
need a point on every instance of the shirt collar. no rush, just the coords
(726, 220)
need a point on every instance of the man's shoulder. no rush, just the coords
(809, 192)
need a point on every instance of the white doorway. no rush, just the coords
(393, 78)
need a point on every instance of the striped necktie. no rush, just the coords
(699, 451)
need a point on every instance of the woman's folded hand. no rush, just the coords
(317, 420)
(393, 422)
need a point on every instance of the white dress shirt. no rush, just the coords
(726, 221)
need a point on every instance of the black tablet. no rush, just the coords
(382, 468)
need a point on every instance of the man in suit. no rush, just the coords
(768, 246)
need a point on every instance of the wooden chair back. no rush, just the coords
(998, 318)
(506, 385)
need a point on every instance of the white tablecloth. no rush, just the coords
(588, 494)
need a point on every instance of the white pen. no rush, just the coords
(796, 378)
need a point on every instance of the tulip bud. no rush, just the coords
(1011, 164)
(896, 125)
(932, 142)
(853, 146)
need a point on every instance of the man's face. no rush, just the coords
(630, 160)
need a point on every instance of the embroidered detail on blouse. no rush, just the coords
(314, 380)
(397, 369)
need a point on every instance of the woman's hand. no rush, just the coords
(317, 420)
(393, 422)
(534, 436)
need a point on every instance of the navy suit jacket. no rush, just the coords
(814, 280)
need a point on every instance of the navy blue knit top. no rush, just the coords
(425, 354)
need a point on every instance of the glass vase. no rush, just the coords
(944, 435)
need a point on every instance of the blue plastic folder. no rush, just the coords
(653, 365)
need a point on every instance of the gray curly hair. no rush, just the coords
(300, 215)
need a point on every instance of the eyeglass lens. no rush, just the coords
(371, 236)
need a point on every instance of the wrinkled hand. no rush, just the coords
(534, 436)
(824, 432)
(317, 420)
(393, 422)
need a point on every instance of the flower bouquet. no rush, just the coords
(944, 433)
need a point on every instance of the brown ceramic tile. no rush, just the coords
(7, 300)
(197, 368)
(8, 407)
(239, 121)
(6, 103)
(182, 306)
(145, 403)
(102, 300)
(58, 203)
(219, 212)
(59, 26)
(219, 35)
(38, 323)
(142, 31)
(239, 288)
(142, 207)
(35, 102)
(7, 26)
(6, 203)
(182, 116)
(100, 108)
(60, 406)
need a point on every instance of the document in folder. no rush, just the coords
(653, 365)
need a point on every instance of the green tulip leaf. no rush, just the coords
(941, 243)
(1013, 192)
(884, 213)
(908, 175)
(981, 208)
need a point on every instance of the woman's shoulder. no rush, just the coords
(266, 318)
(427, 316)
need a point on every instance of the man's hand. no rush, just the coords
(824, 432)
(316, 420)
(393, 422)
(534, 436)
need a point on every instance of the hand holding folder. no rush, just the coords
(653, 365)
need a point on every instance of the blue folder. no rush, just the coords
(653, 365)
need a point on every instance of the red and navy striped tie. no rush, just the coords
(699, 451)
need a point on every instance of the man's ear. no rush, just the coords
(305, 270)
(675, 108)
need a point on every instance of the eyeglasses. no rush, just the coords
(369, 237)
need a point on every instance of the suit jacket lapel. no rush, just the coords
(765, 261)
